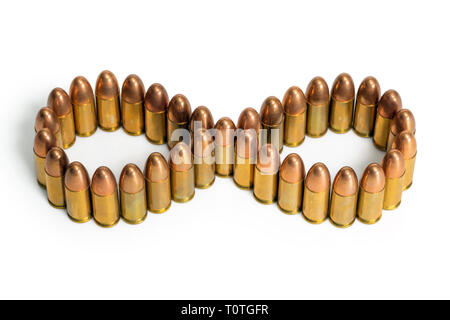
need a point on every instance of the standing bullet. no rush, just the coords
(341, 106)
(366, 105)
(133, 105)
(316, 194)
(157, 179)
(182, 180)
(318, 102)
(43, 142)
(55, 168)
(46, 118)
(266, 174)
(394, 169)
(83, 103)
(245, 158)
(133, 202)
(405, 142)
(250, 121)
(224, 146)
(204, 158)
(178, 115)
(78, 197)
(371, 194)
(156, 102)
(390, 103)
(290, 184)
(294, 105)
(201, 118)
(59, 102)
(344, 198)
(272, 120)
(108, 102)
(403, 121)
(105, 201)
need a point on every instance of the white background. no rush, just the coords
(227, 56)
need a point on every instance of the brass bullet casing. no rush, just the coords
(318, 104)
(157, 179)
(341, 105)
(204, 158)
(344, 198)
(406, 143)
(178, 115)
(389, 104)
(55, 168)
(371, 194)
(133, 92)
(272, 120)
(250, 121)
(105, 201)
(316, 194)
(394, 169)
(43, 142)
(245, 158)
(156, 102)
(224, 146)
(133, 202)
(59, 101)
(182, 180)
(366, 105)
(108, 102)
(83, 102)
(78, 196)
(294, 105)
(266, 174)
(201, 118)
(290, 184)
(46, 118)
(403, 121)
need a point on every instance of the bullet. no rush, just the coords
(224, 146)
(105, 201)
(290, 184)
(156, 102)
(394, 169)
(157, 180)
(108, 102)
(272, 120)
(47, 118)
(83, 103)
(403, 121)
(371, 194)
(245, 158)
(55, 168)
(59, 101)
(133, 202)
(316, 194)
(250, 121)
(344, 198)
(266, 174)
(406, 143)
(78, 197)
(178, 114)
(43, 142)
(132, 98)
(204, 158)
(294, 105)
(182, 180)
(318, 103)
(389, 104)
(341, 105)
(201, 118)
(366, 104)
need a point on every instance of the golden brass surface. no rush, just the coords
(67, 125)
(106, 210)
(290, 196)
(343, 209)
(393, 193)
(317, 120)
(271, 132)
(409, 172)
(204, 169)
(315, 205)
(294, 129)
(55, 190)
(158, 195)
(381, 131)
(133, 206)
(40, 171)
(171, 127)
(78, 205)
(155, 126)
(244, 169)
(265, 187)
(85, 119)
(364, 120)
(370, 206)
(182, 184)
(224, 160)
(341, 115)
(133, 118)
(108, 112)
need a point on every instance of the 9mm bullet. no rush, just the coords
(272, 120)
(394, 169)
(266, 174)
(156, 102)
(204, 158)
(318, 105)
(224, 146)
(341, 105)
(366, 105)
(291, 183)
(55, 168)
(403, 121)
(59, 101)
(78, 196)
(108, 101)
(46, 118)
(178, 115)
(83, 103)
(406, 143)
(133, 91)
(316, 194)
(182, 179)
(294, 105)
(133, 202)
(344, 198)
(371, 194)
(390, 103)
(157, 179)
(105, 201)
(43, 142)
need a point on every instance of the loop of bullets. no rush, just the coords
(223, 149)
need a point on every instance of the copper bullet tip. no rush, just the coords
(318, 178)
(103, 182)
(156, 99)
(156, 168)
(249, 119)
(373, 179)
(203, 115)
(246, 144)
(77, 177)
(406, 143)
(343, 88)
(180, 158)
(203, 143)
(268, 159)
(46, 118)
(179, 110)
(346, 182)
(389, 104)
(133, 89)
(81, 91)
(131, 179)
(393, 164)
(272, 111)
(107, 86)
(56, 162)
(294, 101)
(317, 92)
(403, 121)
(369, 91)
(225, 135)
(59, 101)
(293, 170)
(43, 141)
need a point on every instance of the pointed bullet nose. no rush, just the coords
(179, 110)
(389, 104)
(156, 168)
(318, 178)
(203, 115)
(59, 101)
(293, 170)
(43, 142)
(403, 121)
(76, 178)
(373, 178)
(317, 92)
(272, 112)
(249, 119)
(346, 182)
(131, 179)
(46, 118)
(406, 143)
(103, 182)
(156, 98)
(393, 164)
(56, 162)
(225, 135)
(133, 89)
(294, 101)
(180, 157)
(81, 91)
(343, 88)
(107, 86)
(369, 91)
(268, 159)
